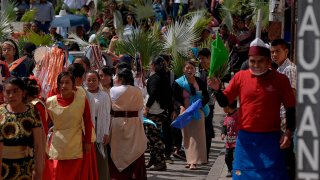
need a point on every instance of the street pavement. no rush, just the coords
(215, 169)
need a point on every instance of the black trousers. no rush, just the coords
(229, 158)
(167, 136)
(209, 129)
(290, 159)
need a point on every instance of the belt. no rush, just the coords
(17, 152)
(125, 114)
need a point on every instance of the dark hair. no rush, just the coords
(107, 71)
(191, 62)
(204, 52)
(159, 65)
(32, 87)
(85, 60)
(29, 47)
(76, 70)
(93, 72)
(64, 74)
(74, 46)
(123, 65)
(126, 76)
(233, 105)
(166, 57)
(280, 42)
(16, 54)
(15, 81)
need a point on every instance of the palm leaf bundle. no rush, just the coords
(29, 16)
(143, 43)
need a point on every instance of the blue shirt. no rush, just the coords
(45, 11)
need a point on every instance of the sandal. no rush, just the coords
(193, 167)
(187, 166)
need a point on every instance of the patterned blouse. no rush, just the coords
(16, 135)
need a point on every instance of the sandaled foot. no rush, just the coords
(193, 167)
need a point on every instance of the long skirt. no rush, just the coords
(194, 141)
(136, 170)
(74, 169)
(258, 156)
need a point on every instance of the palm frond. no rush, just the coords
(74, 38)
(198, 21)
(38, 39)
(206, 44)
(58, 7)
(179, 38)
(143, 10)
(101, 5)
(222, 71)
(264, 7)
(178, 63)
(5, 30)
(10, 11)
(156, 30)
(29, 16)
(143, 43)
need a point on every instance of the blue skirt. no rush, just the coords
(258, 156)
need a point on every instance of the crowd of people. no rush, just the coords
(93, 125)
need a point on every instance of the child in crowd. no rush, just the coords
(230, 131)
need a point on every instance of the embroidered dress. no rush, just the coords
(16, 132)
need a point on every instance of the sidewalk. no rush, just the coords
(219, 169)
(214, 169)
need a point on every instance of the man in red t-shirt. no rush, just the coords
(261, 91)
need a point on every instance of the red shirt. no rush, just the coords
(260, 99)
(231, 123)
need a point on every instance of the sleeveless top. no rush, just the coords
(66, 142)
